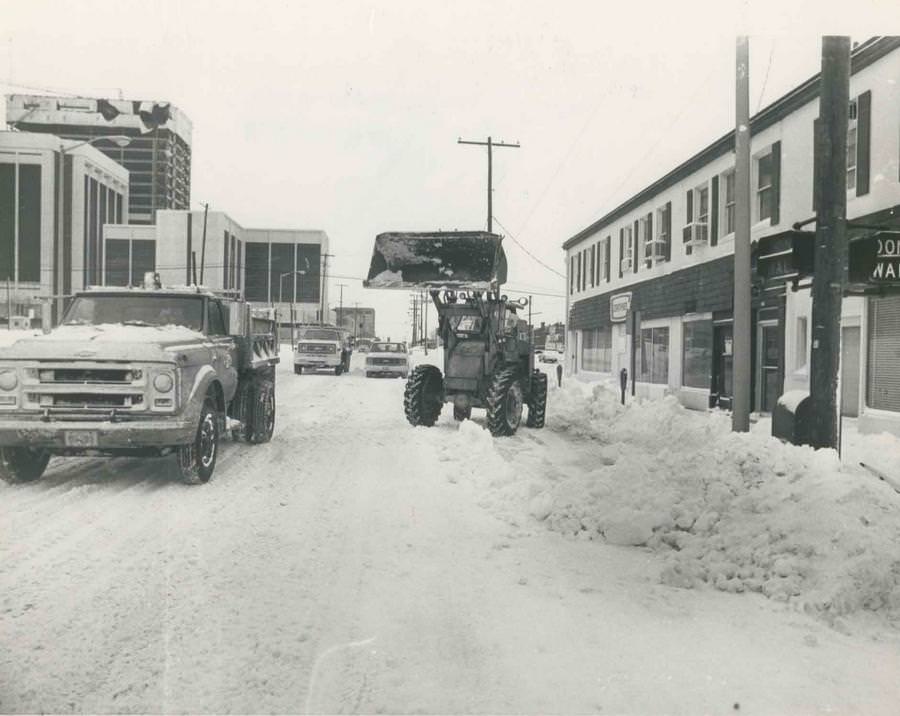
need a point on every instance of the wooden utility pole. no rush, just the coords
(490, 144)
(322, 305)
(740, 406)
(340, 316)
(203, 243)
(830, 153)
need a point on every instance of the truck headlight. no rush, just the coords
(163, 382)
(8, 380)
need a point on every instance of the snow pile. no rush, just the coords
(740, 512)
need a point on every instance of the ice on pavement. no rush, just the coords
(737, 512)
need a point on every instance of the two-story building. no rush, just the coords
(650, 285)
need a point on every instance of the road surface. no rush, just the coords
(349, 567)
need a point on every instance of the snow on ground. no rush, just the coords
(356, 564)
(738, 512)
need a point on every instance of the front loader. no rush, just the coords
(488, 354)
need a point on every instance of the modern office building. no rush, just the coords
(279, 267)
(650, 285)
(158, 156)
(55, 196)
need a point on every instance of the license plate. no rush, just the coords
(80, 438)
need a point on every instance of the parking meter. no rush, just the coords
(623, 382)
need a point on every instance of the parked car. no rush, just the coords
(548, 357)
(387, 359)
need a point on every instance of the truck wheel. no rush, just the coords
(338, 369)
(262, 413)
(537, 406)
(504, 403)
(423, 397)
(197, 460)
(298, 369)
(462, 413)
(22, 464)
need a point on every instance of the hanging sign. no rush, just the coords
(619, 305)
(875, 259)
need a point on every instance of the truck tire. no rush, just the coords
(504, 403)
(537, 406)
(22, 464)
(338, 369)
(461, 414)
(423, 397)
(298, 369)
(197, 460)
(262, 412)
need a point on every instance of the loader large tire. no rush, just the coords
(504, 403)
(22, 464)
(423, 398)
(537, 406)
(261, 412)
(197, 460)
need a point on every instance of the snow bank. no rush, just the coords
(739, 512)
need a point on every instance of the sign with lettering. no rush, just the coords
(875, 259)
(619, 305)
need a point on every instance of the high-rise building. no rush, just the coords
(158, 158)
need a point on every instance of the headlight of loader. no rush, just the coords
(8, 380)
(163, 382)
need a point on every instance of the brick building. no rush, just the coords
(650, 285)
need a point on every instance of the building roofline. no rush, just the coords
(863, 56)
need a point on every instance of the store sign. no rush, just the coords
(875, 259)
(619, 305)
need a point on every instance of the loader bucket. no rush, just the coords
(454, 260)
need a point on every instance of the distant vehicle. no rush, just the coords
(363, 345)
(322, 347)
(143, 372)
(387, 359)
(548, 357)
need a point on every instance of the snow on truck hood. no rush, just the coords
(103, 342)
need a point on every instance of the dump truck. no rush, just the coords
(488, 353)
(150, 371)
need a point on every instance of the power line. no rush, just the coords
(762, 92)
(519, 244)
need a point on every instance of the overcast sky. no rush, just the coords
(344, 116)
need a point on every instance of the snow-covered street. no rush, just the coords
(358, 565)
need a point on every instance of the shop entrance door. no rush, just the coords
(768, 358)
(850, 371)
(723, 362)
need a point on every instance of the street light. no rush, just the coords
(301, 274)
(120, 141)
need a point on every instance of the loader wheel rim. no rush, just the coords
(513, 406)
(206, 441)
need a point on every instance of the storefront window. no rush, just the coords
(697, 357)
(596, 350)
(654, 355)
(882, 376)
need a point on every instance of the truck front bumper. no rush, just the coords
(62, 434)
(318, 361)
(400, 370)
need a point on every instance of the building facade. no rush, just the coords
(55, 196)
(158, 156)
(358, 320)
(650, 285)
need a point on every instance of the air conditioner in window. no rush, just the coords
(656, 249)
(696, 233)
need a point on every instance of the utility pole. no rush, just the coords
(740, 406)
(425, 297)
(340, 320)
(355, 321)
(490, 144)
(830, 260)
(203, 242)
(322, 295)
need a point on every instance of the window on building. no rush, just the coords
(882, 376)
(697, 354)
(660, 245)
(578, 282)
(596, 350)
(593, 265)
(127, 260)
(571, 275)
(851, 148)
(701, 202)
(729, 203)
(645, 229)
(800, 359)
(607, 258)
(764, 187)
(628, 251)
(654, 355)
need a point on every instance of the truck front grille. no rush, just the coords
(95, 400)
(86, 375)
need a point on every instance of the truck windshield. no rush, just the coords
(319, 334)
(135, 310)
(388, 348)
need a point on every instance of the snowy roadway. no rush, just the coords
(354, 565)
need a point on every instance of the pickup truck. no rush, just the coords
(144, 372)
(322, 347)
